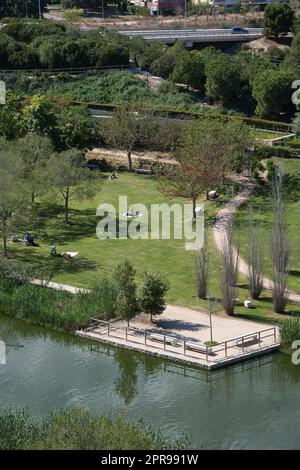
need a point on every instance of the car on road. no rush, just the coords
(239, 30)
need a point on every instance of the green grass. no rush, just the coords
(261, 203)
(263, 134)
(99, 257)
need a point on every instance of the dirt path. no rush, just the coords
(219, 229)
(120, 156)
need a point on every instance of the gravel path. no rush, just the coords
(219, 229)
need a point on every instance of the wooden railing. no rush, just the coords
(188, 348)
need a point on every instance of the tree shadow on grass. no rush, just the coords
(294, 272)
(50, 267)
(47, 224)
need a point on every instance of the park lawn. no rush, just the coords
(99, 257)
(262, 207)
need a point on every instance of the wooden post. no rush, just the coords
(184, 348)
(145, 337)
(259, 338)
(243, 343)
(225, 348)
(108, 326)
(126, 333)
(275, 335)
(206, 354)
(164, 342)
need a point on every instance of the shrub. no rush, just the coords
(76, 428)
(289, 331)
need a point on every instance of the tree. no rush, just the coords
(68, 175)
(39, 116)
(189, 69)
(152, 294)
(202, 157)
(279, 246)
(35, 152)
(296, 125)
(126, 302)
(230, 258)
(202, 271)
(164, 65)
(128, 128)
(255, 257)
(12, 123)
(12, 191)
(223, 78)
(76, 128)
(272, 90)
(21, 8)
(278, 18)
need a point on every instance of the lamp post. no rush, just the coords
(210, 320)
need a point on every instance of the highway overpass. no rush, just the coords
(195, 36)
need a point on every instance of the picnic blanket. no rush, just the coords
(71, 254)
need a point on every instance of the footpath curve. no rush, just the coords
(219, 229)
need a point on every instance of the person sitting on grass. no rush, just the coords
(65, 254)
(28, 240)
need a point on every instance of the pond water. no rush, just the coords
(255, 405)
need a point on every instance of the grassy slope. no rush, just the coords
(261, 203)
(97, 257)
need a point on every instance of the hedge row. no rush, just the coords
(256, 122)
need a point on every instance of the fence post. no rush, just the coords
(206, 354)
(275, 335)
(225, 348)
(126, 333)
(243, 343)
(145, 337)
(259, 339)
(184, 348)
(108, 327)
(164, 342)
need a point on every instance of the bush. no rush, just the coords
(48, 307)
(76, 428)
(73, 14)
(289, 331)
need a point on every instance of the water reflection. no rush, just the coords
(55, 370)
(126, 382)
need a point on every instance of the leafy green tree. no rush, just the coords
(39, 116)
(278, 18)
(21, 8)
(293, 58)
(13, 191)
(223, 78)
(12, 123)
(189, 69)
(152, 294)
(128, 128)
(35, 152)
(76, 127)
(204, 154)
(72, 181)
(164, 65)
(145, 53)
(126, 303)
(272, 90)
